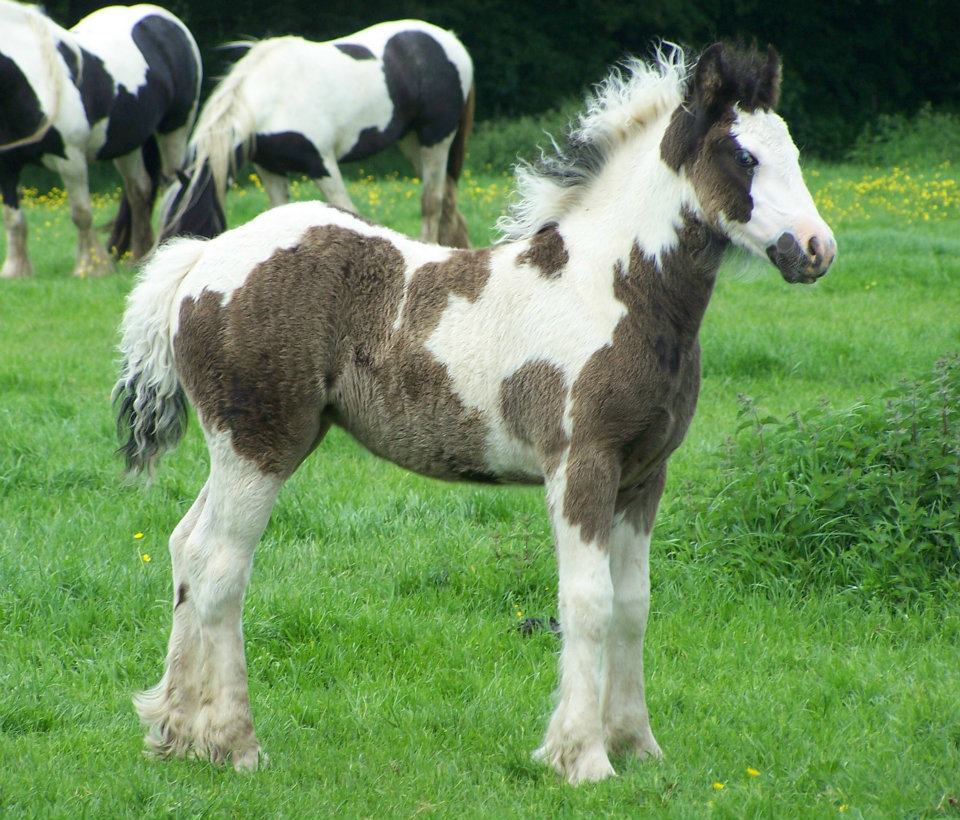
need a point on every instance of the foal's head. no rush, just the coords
(743, 166)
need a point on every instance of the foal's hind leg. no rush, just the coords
(626, 722)
(217, 560)
(170, 707)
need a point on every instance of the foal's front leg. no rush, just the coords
(626, 722)
(581, 498)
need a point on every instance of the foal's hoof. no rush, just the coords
(250, 760)
(581, 766)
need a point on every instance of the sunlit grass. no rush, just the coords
(388, 676)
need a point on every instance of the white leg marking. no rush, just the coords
(215, 561)
(173, 151)
(433, 161)
(275, 185)
(136, 187)
(17, 263)
(169, 708)
(573, 745)
(626, 723)
(334, 191)
(92, 258)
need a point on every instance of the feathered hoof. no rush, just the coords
(641, 745)
(575, 763)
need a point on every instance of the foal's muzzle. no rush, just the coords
(802, 265)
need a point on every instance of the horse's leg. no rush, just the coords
(17, 263)
(580, 496)
(92, 258)
(169, 708)
(275, 185)
(626, 722)
(433, 161)
(173, 152)
(453, 225)
(334, 191)
(219, 557)
(138, 189)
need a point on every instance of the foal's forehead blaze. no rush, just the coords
(764, 133)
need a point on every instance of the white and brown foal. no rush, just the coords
(566, 355)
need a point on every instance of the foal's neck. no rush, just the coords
(638, 223)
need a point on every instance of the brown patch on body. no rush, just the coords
(308, 340)
(635, 398)
(532, 401)
(546, 251)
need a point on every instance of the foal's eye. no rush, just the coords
(745, 159)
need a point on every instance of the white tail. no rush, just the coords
(151, 406)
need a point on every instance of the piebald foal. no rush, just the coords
(566, 355)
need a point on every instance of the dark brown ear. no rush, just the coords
(709, 79)
(768, 94)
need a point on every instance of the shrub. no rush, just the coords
(496, 145)
(927, 138)
(866, 499)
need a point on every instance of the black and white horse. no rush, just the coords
(568, 355)
(122, 84)
(290, 105)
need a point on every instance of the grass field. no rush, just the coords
(388, 676)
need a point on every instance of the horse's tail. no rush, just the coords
(150, 404)
(223, 137)
(458, 150)
(119, 242)
(453, 227)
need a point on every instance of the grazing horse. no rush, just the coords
(567, 355)
(290, 105)
(122, 84)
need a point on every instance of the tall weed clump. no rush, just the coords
(866, 498)
(929, 137)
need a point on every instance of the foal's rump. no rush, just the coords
(292, 322)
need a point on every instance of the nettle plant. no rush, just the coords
(865, 498)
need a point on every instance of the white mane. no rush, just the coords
(631, 98)
(45, 31)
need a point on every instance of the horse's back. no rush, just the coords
(153, 64)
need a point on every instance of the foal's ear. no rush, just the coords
(768, 92)
(709, 79)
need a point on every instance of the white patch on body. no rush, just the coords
(218, 269)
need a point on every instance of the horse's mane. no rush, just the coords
(45, 30)
(632, 97)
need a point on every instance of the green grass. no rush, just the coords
(387, 674)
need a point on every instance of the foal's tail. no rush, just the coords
(150, 403)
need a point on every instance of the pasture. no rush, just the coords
(389, 674)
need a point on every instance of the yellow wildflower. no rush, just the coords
(719, 786)
(752, 771)
(138, 535)
(145, 558)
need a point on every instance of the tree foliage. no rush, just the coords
(844, 63)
